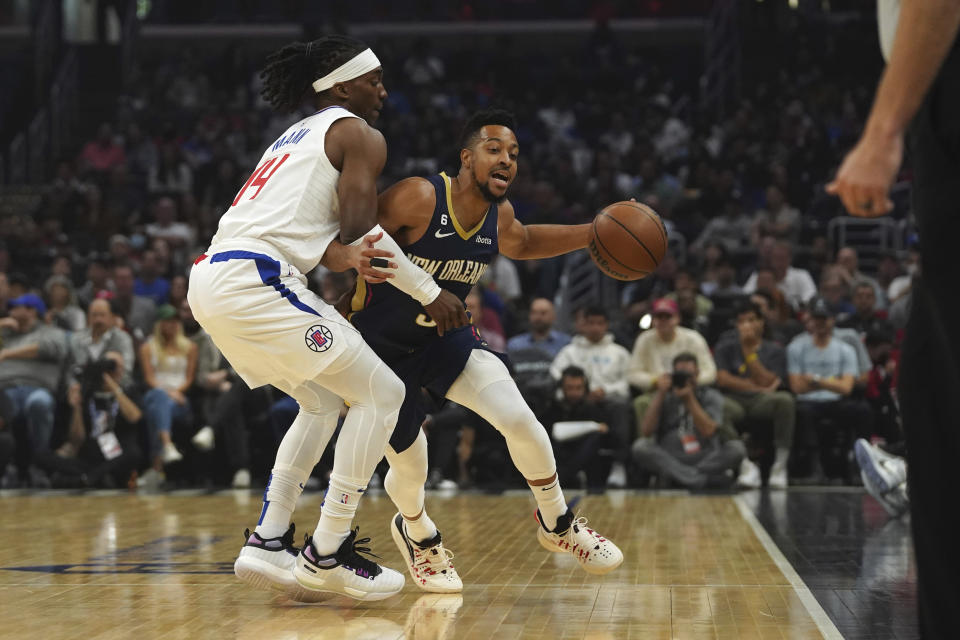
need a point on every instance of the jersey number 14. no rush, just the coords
(259, 177)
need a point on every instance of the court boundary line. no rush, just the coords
(825, 625)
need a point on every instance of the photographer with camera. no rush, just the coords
(101, 336)
(101, 447)
(679, 431)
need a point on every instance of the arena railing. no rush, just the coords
(63, 105)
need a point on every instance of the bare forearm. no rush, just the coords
(729, 382)
(131, 412)
(842, 385)
(760, 374)
(704, 423)
(360, 215)
(549, 240)
(925, 32)
(26, 352)
(336, 258)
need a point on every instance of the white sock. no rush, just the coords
(337, 511)
(279, 501)
(421, 529)
(781, 457)
(550, 501)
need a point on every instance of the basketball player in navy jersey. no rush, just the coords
(452, 228)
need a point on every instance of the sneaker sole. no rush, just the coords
(398, 539)
(260, 574)
(356, 594)
(869, 467)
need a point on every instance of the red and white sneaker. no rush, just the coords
(596, 554)
(430, 565)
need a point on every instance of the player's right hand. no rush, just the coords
(447, 311)
(361, 258)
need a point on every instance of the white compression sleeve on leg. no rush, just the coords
(407, 476)
(407, 277)
(404, 484)
(375, 395)
(485, 387)
(299, 451)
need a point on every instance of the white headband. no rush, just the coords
(362, 63)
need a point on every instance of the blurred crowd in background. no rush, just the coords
(762, 346)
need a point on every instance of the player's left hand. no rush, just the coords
(867, 173)
(368, 260)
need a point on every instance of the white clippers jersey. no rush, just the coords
(290, 200)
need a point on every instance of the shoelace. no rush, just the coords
(287, 538)
(444, 558)
(353, 556)
(576, 547)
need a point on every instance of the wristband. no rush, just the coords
(408, 277)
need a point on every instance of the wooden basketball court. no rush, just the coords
(117, 565)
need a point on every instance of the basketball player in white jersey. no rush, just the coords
(314, 184)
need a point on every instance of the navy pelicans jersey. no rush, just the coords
(393, 322)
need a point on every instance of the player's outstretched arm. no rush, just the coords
(530, 242)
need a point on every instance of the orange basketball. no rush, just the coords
(628, 240)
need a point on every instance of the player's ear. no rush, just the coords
(341, 91)
(466, 158)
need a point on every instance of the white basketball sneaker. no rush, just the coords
(346, 572)
(596, 554)
(884, 476)
(884, 470)
(430, 565)
(749, 477)
(267, 563)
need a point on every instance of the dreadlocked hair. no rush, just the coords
(290, 72)
(480, 119)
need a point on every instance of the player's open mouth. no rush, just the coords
(500, 178)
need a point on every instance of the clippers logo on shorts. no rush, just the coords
(319, 338)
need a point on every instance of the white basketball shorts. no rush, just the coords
(264, 319)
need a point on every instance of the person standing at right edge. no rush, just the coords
(922, 84)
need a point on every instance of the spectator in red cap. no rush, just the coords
(654, 351)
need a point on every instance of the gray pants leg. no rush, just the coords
(665, 459)
(721, 457)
